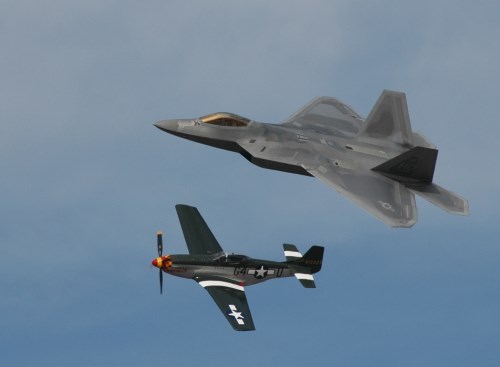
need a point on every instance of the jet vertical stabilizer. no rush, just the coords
(389, 120)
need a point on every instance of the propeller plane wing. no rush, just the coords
(231, 299)
(199, 238)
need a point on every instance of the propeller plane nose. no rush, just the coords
(157, 262)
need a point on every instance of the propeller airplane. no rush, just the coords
(225, 275)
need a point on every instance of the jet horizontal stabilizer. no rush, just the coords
(442, 198)
(414, 165)
(415, 170)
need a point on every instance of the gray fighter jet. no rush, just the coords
(377, 162)
(225, 275)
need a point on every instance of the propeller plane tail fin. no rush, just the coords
(303, 267)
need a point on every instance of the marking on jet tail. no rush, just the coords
(407, 166)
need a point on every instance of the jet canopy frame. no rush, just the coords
(225, 119)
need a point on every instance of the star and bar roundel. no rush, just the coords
(261, 272)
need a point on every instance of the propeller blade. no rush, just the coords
(161, 281)
(159, 240)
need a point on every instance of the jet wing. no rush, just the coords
(326, 115)
(387, 200)
(199, 238)
(231, 299)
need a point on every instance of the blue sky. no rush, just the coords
(87, 181)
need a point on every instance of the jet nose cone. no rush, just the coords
(167, 125)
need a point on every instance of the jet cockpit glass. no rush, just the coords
(225, 119)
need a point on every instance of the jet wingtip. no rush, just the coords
(466, 211)
(461, 208)
(403, 223)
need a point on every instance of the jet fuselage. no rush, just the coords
(281, 148)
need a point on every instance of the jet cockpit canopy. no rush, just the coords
(225, 119)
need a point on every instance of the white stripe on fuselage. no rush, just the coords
(293, 254)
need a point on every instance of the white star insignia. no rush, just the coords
(236, 314)
(261, 273)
